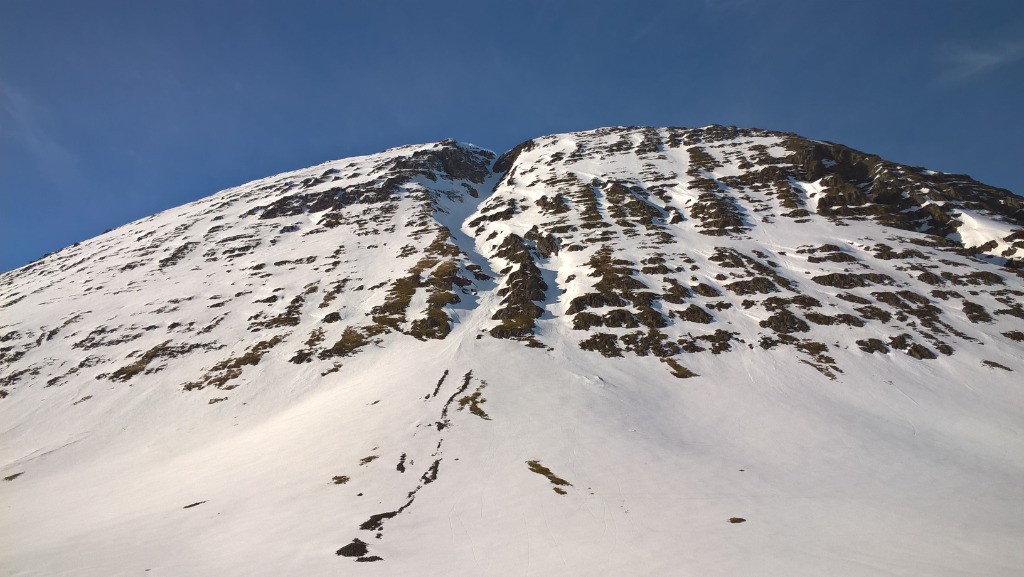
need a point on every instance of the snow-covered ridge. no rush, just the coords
(440, 360)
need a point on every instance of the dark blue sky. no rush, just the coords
(111, 111)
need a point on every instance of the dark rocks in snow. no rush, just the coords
(357, 548)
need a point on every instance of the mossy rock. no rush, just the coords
(678, 370)
(651, 318)
(652, 342)
(706, 290)
(695, 314)
(852, 280)
(351, 340)
(976, 313)
(785, 322)
(872, 346)
(604, 343)
(620, 318)
(593, 301)
(756, 285)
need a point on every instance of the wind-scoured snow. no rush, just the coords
(627, 351)
(978, 230)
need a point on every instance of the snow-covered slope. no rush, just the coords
(628, 351)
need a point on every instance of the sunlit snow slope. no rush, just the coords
(628, 351)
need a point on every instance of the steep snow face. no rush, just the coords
(362, 237)
(636, 351)
(668, 242)
(982, 232)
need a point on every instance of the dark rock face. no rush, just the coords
(525, 287)
(505, 161)
(448, 160)
(356, 548)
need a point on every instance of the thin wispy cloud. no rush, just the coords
(23, 123)
(965, 62)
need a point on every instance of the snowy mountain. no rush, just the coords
(628, 351)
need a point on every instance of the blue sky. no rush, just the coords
(113, 110)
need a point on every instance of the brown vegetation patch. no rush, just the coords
(164, 350)
(231, 368)
(675, 292)
(678, 370)
(996, 365)
(1017, 336)
(289, 318)
(554, 479)
(976, 313)
(444, 273)
(852, 280)
(718, 341)
(706, 290)
(178, 254)
(524, 288)
(352, 339)
(694, 314)
(652, 342)
(756, 285)
(827, 320)
(605, 343)
(785, 322)
(873, 346)
(854, 298)
(905, 343)
(474, 402)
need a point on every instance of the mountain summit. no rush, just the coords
(626, 351)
